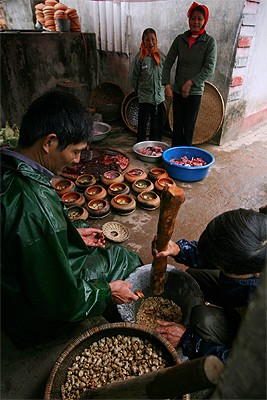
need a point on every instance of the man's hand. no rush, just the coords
(172, 250)
(92, 237)
(171, 331)
(121, 292)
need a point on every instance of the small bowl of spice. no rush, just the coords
(98, 208)
(63, 186)
(73, 199)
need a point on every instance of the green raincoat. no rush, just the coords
(49, 276)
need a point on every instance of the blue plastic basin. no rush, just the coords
(187, 173)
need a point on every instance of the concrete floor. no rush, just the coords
(237, 179)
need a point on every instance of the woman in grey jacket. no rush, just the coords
(145, 76)
(196, 54)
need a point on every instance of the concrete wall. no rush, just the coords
(229, 20)
(37, 62)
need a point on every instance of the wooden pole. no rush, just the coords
(171, 200)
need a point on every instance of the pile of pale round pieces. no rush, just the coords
(108, 360)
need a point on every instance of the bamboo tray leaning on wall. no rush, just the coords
(210, 115)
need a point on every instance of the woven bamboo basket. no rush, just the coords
(59, 372)
(129, 112)
(107, 99)
(210, 116)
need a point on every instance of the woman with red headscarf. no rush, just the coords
(196, 54)
(145, 76)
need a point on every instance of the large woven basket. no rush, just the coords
(210, 115)
(107, 98)
(59, 372)
(129, 112)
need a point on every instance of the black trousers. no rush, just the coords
(212, 323)
(153, 114)
(185, 111)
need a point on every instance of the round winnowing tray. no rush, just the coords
(115, 231)
(210, 116)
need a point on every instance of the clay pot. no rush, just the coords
(75, 213)
(95, 192)
(148, 200)
(140, 185)
(84, 181)
(157, 173)
(110, 177)
(98, 208)
(118, 188)
(123, 204)
(73, 199)
(135, 173)
(160, 183)
(64, 186)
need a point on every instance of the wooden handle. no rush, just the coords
(191, 376)
(171, 199)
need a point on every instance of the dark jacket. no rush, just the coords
(236, 293)
(196, 63)
(48, 275)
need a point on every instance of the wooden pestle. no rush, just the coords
(171, 199)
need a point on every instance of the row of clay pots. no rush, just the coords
(121, 201)
(109, 177)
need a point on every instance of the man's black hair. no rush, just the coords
(60, 113)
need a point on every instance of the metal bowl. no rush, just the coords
(100, 131)
(150, 159)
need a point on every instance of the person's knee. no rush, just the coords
(210, 322)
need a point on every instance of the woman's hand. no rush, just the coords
(172, 249)
(121, 292)
(186, 88)
(168, 92)
(171, 331)
(92, 237)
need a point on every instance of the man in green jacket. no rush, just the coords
(51, 276)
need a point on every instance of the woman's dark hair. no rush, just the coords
(60, 113)
(236, 242)
(147, 31)
(200, 9)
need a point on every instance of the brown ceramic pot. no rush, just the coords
(75, 213)
(148, 200)
(123, 204)
(64, 186)
(112, 176)
(98, 208)
(160, 183)
(95, 192)
(157, 173)
(133, 174)
(84, 181)
(73, 199)
(118, 188)
(141, 185)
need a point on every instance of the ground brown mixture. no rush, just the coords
(153, 308)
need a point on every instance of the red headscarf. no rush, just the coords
(206, 12)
